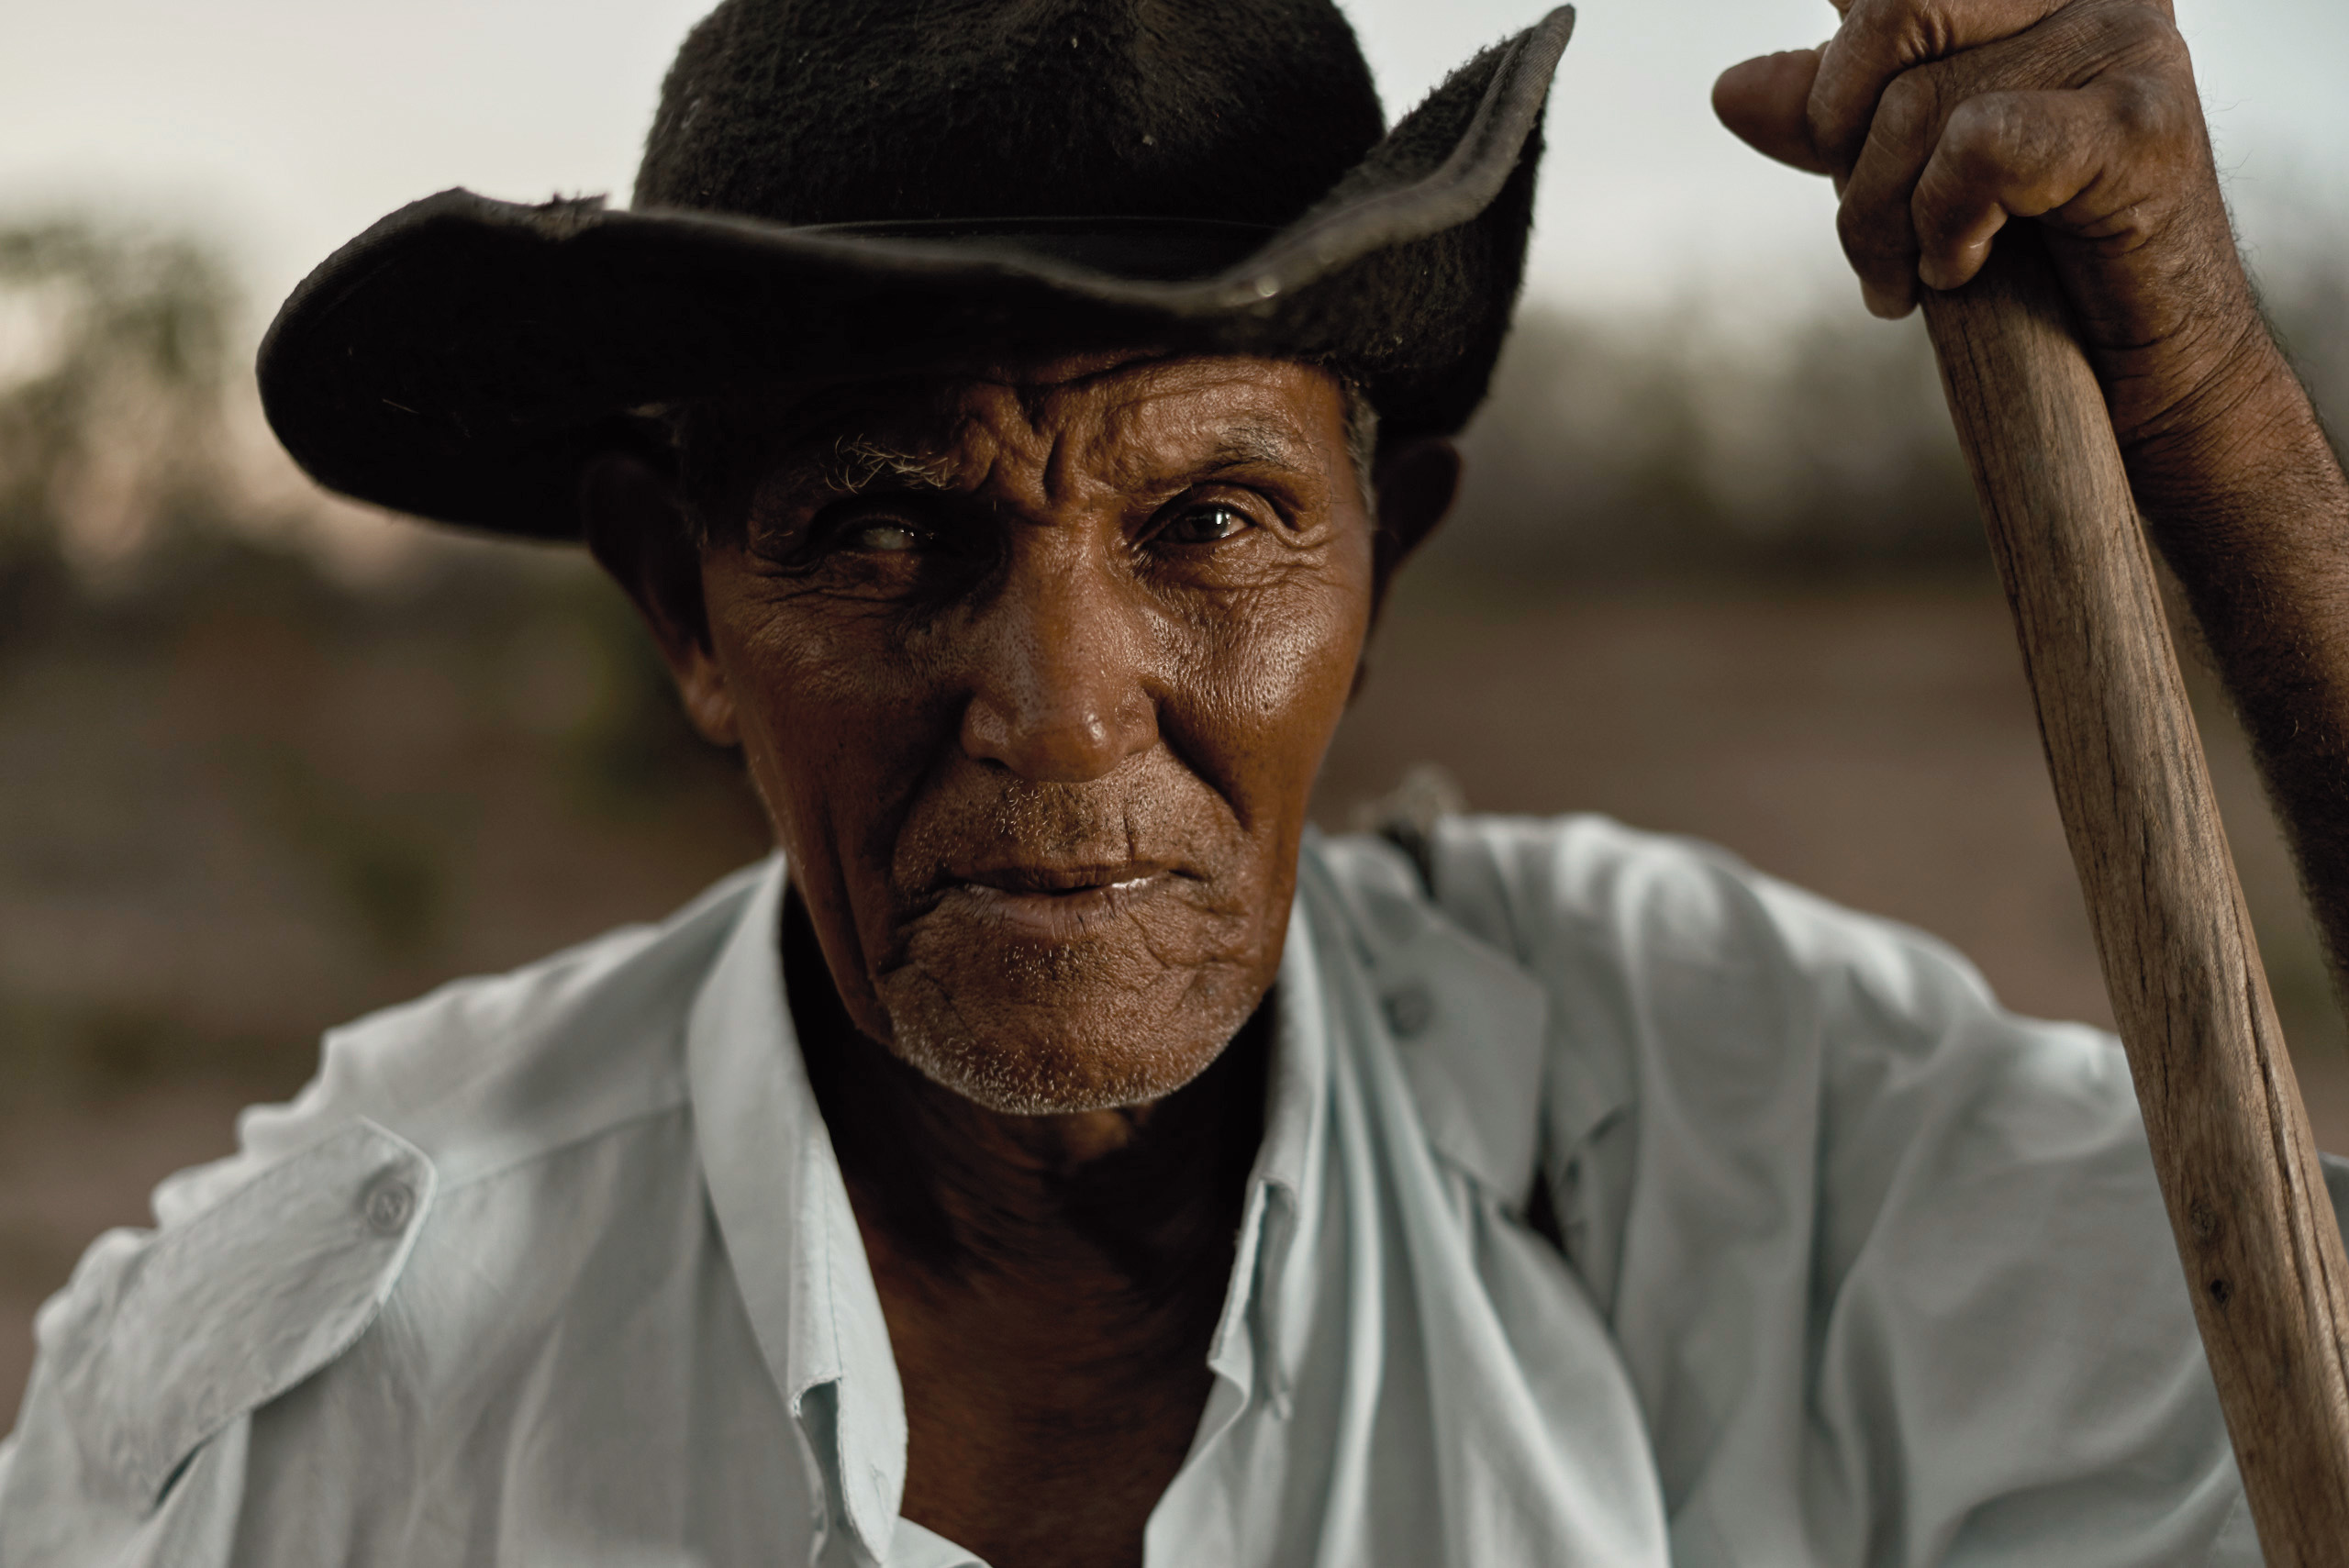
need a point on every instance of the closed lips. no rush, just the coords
(1056, 904)
(1045, 880)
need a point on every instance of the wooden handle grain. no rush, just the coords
(2231, 1143)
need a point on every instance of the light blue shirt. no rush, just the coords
(557, 1267)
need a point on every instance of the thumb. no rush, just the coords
(1766, 102)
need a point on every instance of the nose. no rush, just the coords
(1057, 694)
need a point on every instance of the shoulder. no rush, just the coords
(1670, 944)
(1683, 989)
(491, 1071)
(1557, 977)
(1652, 936)
(269, 1265)
(163, 1341)
(1550, 886)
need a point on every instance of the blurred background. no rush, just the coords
(268, 760)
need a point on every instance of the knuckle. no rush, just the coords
(1909, 108)
(2139, 111)
(1894, 35)
(2148, 118)
(1984, 133)
(2152, 35)
(1865, 19)
(1929, 29)
(2127, 35)
(1878, 43)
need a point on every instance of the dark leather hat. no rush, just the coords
(858, 186)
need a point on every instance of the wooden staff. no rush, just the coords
(2231, 1141)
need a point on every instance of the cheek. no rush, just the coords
(1269, 681)
(838, 732)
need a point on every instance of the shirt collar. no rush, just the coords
(1465, 1022)
(790, 1234)
(1248, 1353)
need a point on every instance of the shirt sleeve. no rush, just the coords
(1887, 1264)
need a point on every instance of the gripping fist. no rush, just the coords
(1940, 119)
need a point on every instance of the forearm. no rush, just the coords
(2247, 501)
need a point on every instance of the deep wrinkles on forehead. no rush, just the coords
(845, 451)
(1139, 435)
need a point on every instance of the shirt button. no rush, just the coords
(388, 1204)
(1409, 1009)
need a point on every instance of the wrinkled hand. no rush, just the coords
(1940, 119)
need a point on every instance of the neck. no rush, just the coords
(1051, 1283)
(1133, 1202)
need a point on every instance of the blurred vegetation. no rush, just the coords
(243, 791)
(113, 358)
(1684, 447)
(1822, 448)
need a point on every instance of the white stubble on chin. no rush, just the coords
(1102, 1047)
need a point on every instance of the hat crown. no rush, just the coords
(848, 111)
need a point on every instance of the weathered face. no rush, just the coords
(1034, 671)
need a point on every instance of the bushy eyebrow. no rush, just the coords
(1256, 444)
(820, 465)
(856, 463)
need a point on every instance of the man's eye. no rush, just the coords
(1205, 525)
(884, 536)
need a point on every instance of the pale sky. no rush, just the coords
(281, 127)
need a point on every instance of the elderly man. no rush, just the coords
(1008, 418)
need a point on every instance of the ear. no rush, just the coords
(1417, 483)
(635, 524)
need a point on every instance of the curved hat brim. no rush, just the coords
(461, 358)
